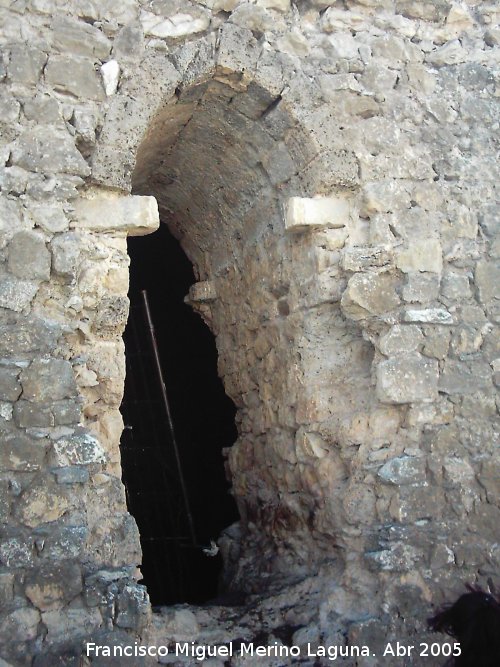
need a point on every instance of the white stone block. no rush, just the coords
(303, 213)
(109, 211)
(110, 73)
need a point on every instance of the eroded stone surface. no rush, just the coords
(362, 354)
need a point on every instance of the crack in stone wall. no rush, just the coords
(329, 168)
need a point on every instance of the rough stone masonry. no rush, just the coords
(329, 167)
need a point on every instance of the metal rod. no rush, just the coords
(169, 418)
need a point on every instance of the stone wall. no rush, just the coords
(329, 168)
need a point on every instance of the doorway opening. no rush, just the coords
(175, 567)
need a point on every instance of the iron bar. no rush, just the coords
(169, 418)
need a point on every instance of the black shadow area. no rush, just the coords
(174, 569)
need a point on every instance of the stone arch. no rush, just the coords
(228, 141)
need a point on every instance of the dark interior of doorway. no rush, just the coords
(175, 569)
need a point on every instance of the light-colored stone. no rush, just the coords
(74, 76)
(278, 5)
(428, 315)
(42, 503)
(48, 149)
(110, 73)
(368, 295)
(29, 257)
(450, 53)
(401, 338)
(367, 258)
(78, 37)
(425, 255)
(407, 378)
(175, 26)
(303, 213)
(78, 449)
(16, 294)
(111, 212)
(403, 470)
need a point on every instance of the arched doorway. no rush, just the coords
(180, 499)
(223, 152)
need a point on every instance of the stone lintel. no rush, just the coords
(110, 211)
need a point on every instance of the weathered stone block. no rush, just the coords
(399, 557)
(309, 446)
(64, 623)
(368, 295)
(20, 453)
(62, 541)
(407, 379)
(332, 169)
(20, 625)
(488, 279)
(460, 377)
(79, 38)
(16, 294)
(455, 286)
(202, 291)
(382, 197)
(109, 211)
(133, 607)
(74, 76)
(416, 502)
(50, 218)
(303, 213)
(16, 550)
(112, 315)
(42, 108)
(47, 149)
(367, 258)
(53, 585)
(6, 588)
(450, 53)
(5, 501)
(41, 503)
(48, 379)
(66, 249)
(238, 50)
(26, 64)
(67, 412)
(72, 475)
(10, 387)
(428, 316)
(190, 22)
(78, 449)
(29, 334)
(403, 470)
(29, 257)
(437, 342)
(401, 338)
(425, 255)
(421, 287)
(9, 108)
